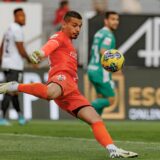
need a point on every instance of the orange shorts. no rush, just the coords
(71, 98)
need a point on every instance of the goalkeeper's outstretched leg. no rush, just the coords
(86, 113)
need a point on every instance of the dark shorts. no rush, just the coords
(13, 75)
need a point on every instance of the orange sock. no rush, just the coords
(36, 89)
(101, 134)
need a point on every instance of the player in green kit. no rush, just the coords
(101, 79)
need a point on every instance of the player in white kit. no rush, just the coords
(12, 54)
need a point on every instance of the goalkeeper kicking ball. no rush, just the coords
(112, 60)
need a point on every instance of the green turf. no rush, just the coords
(73, 140)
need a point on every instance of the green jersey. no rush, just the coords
(105, 39)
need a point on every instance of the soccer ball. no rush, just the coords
(112, 60)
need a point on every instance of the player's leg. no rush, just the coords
(17, 76)
(95, 123)
(5, 103)
(89, 115)
(50, 91)
(105, 96)
(4, 106)
(7, 97)
(16, 105)
(96, 79)
(100, 103)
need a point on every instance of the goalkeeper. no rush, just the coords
(62, 82)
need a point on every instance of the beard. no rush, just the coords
(75, 36)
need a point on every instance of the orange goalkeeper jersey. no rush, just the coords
(61, 53)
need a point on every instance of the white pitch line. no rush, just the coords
(74, 138)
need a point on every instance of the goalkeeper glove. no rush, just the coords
(36, 57)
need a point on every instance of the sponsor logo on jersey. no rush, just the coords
(73, 54)
(54, 36)
(107, 41)
(61, 77)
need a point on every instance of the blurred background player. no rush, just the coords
(100, 78)
(62, 84)
(59, 14)
(12, 54)
(100, 6)
(14, 0)
(131, 6)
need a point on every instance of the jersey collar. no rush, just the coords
(106, 28)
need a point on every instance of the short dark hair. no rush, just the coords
(108, 13)
(17, 10)
(63, 3)
(72, 14)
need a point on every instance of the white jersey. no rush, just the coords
(11, 58)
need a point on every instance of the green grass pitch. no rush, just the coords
(73, 140)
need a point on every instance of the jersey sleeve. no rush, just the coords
(106, 43)
(18, 35)
(53, 43)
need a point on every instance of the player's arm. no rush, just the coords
(1, 50)
(105, 45)
(21, 50)
(19, 39)
(45, 51)
(102, 50)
